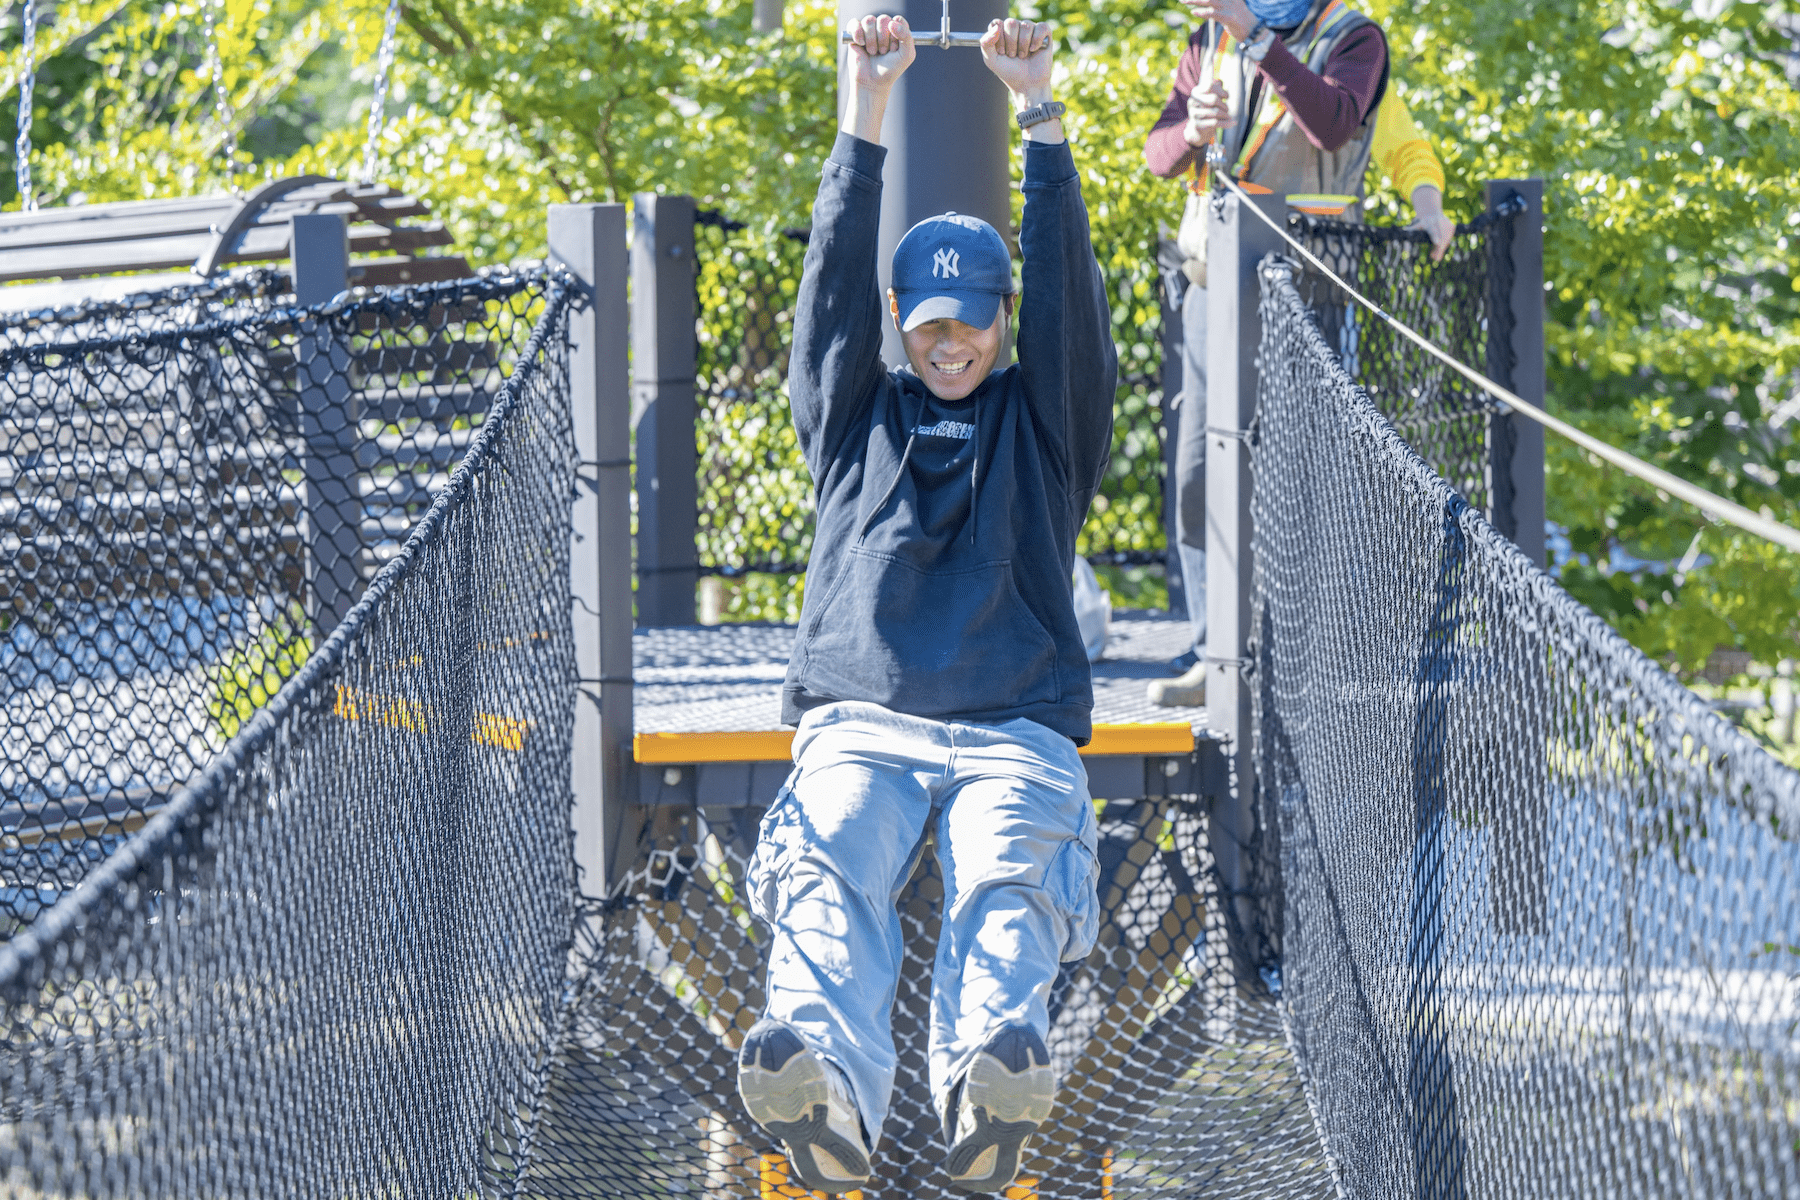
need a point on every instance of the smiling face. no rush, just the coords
(950, 357)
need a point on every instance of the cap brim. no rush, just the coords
(971, 308)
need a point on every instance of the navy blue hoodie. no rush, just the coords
(939, 577)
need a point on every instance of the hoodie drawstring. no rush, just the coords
(975, 477)
(913, 436)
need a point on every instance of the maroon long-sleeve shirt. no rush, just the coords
(1327, 108)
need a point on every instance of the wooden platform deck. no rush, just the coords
(707, 708)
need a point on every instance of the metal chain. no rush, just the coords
(215, 62)
(27, 84)
(384, 63)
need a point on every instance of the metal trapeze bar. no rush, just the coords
(945, 37)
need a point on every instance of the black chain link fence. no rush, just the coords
(237, 293)
(1528, 911)
(333, 963)
(1540, 930)
(1177, 1077)
(186, 510)
(1440, 414)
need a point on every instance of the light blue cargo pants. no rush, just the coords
(1015, 835)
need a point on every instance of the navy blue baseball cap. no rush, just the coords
(953, 266)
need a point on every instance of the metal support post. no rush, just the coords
(767, 16)
(1516, 445)
(1520, 864)
(589, 239)
(662, 406)
(943, 89)
(1236, 243)
(1172, 383)
(320, 247)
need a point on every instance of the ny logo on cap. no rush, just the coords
(944, 263)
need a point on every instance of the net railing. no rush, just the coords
(186, 510)
(152, 308)
(1461, 303)
(333, 963)
(1539, 918)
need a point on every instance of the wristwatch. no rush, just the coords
(1255, 50)
(1037, 114)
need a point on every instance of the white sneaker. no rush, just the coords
(802, 1098)
(1187, 690)
(1002, 1099)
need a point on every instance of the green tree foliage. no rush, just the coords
(1666, 133)
(1668, 137)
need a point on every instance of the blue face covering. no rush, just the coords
(1280, 14)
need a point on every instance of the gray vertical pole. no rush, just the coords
(1520, 863)
(589, 239)
(1516, 445)
(1236, 243)
(1172, 383)
(942, 90)
(767, 16)
(662, 406)
(320, 246)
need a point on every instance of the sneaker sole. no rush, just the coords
(784, 1090)
(1009, 1107)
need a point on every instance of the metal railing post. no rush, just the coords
(320, 249)
(1520, 863)
(1516, 445)
(1172, 383)
(662, 406)
(767, 16)
(589, 239)
(1236, 243)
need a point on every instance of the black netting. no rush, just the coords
(1541, 923)
(332, 964)
(1442, 416)
(755, 494)
(146, 311)
(186, 511)
(1518, 916)
(1178, 1081)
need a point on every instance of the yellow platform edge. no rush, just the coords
(777, 745)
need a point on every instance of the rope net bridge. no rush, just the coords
(1512, 913)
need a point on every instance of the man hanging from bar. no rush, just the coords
(938, 678)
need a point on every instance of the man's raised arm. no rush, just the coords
(1066, 351)
(836, 358)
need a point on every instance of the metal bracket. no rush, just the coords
(944, 39)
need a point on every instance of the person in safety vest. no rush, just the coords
(938, 678)
(1292, 90)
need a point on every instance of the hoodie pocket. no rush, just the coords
(929, 643)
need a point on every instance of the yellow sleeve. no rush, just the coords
(1400, 150)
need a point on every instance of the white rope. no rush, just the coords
(1715, 506)
(27, 83)
(384, 63)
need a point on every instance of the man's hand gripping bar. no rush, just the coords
(944, 38)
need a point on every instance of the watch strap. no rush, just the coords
(1037, 114)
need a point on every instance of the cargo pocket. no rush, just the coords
(1073, 882)
(777, 845)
